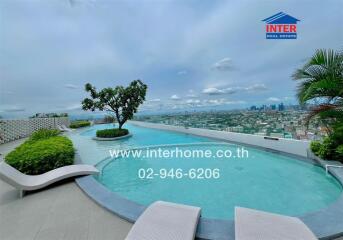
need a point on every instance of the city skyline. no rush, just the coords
(282, 122)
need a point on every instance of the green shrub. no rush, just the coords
(112, 132)
(78, 124)
(40, 156)
(43, 134)
(327, 149)
(339, 152)
(315, 147)
(331, 147)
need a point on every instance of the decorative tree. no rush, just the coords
(122, 102)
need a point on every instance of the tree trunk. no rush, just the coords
(120, 123)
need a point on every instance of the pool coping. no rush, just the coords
(324, 223)
(112, 139)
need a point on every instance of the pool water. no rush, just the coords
(93, 152)
(262, 180)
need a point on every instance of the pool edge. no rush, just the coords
(323, 222)
(129, 210)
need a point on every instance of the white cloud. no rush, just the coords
(215, 102)
(154, 100)
(216, 91)
(71, 86)
(236, 102)
(219, 102)
(288, 98)
(193, 101)
(175, 97)
(13, 109)
(212, 91)
(223, 65)
(232, 90)
(256, 87)
(278, 99)
(191, 94)
(73, 107)
(273, 99)
(182, 72)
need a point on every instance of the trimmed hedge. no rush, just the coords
(112, 133)
(44, 134)
(39, 156)
(79, 124)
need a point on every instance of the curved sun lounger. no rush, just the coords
(167, 221)
(67, 129)
(64, 128)
(257, 225)
(60, 128)
(25, 182)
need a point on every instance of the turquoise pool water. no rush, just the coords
(261, 180)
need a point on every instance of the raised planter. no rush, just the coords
(112, 139)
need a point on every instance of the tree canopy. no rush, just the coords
(122, 102)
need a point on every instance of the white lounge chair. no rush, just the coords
(25, 182)
(167, 221)
(65, 128)
(257, 225)
(60, 128)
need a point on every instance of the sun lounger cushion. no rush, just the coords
(257, 225)
(166, 221)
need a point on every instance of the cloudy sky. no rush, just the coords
(192, 54)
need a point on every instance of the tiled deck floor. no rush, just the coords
(61, 212)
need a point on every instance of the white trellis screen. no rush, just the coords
(15, 129)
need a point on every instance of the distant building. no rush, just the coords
(287, 135)
(235, 129)
(266, 123)
(281, 107)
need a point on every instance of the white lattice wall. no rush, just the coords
(15, 129)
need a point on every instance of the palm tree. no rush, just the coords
(321, 84)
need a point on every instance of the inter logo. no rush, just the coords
(281, 26)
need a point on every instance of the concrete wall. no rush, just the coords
(297, 147)
(15, 129)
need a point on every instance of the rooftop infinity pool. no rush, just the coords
(260, 180)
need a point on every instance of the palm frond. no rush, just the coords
(321, 78)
